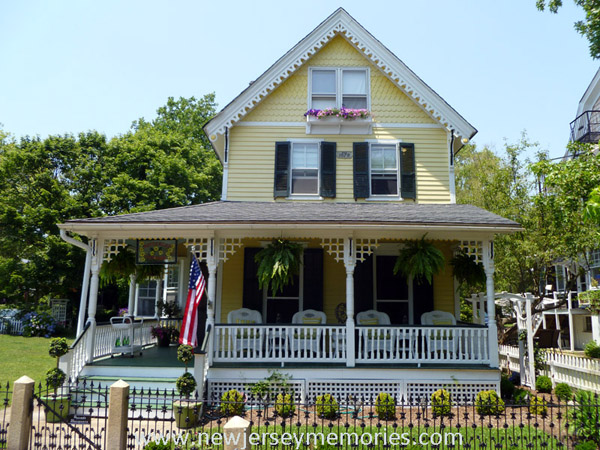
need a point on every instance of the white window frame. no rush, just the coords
(338, 83)
(304, 196)
(388, 143)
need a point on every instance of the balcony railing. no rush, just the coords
(586, 127)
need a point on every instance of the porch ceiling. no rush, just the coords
(228, 214)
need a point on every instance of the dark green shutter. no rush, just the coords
(328, 169)
(422, 299)
(282, 169)
(252, 297)
(313, 279)
(361, 169)
(408, 187)
(363, 285)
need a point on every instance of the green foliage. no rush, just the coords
(186, 384)
(385, 406)
(278, 263)
(55, 378)
(275, 382)
(284, 405)
(592, 350)
(563, 392)
(588, 445)
(592, 207)
(441, 403)
(419, 260)
(169, 308)
(507, 388)
(520, 396)
(327, 406)
(537, 405)
(122, 265)
(488, 403)
(467, 270)
(58, 347)
(588, 28)
(592, 297)
(159, 445)
(543, 384)
(232, 403)
(584, 417)
(185, 353)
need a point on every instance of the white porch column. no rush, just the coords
(212, 261)
(596, 327)
(571, 322)
(488, 263)
(158, 297)
(350, 263)
(131, 300)
(93, 299)
(85, 285)
(530, 348)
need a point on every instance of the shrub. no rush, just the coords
(587, 445)
(284, 405)
(232, 403)
(537, 405)
(385, 406)
(160, 445)
(55, 378)
(186, 384)
(592, 350)
(507, 388)
(584, 417)
(543, 384)
(563, 392)
(38, 324)
(441, 403)
(520, 396)
(58, 347)
(327, 406)
(488, 403)
(185, 353)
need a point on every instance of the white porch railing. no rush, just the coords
(279, 343)
(509, 357)
(420, 344)
(327, 343)
(106, 337)
(74, 361)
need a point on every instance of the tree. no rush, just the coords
(589, 28)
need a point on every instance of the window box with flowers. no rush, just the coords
(338, 121)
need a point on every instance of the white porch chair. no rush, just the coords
(308, 338)
(437, 340)
(372, 340)
(246, 338)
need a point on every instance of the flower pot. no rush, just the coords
(164, 341)
(186, 413)
(57, 409)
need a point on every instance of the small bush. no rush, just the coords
(537, 405)
(543, 384)
(232, 403)
(520, 396)
(563, 392)
(186, 384)
(55, 378)
(58, 347)
(160, 445)
(185, 353)
(385, 406)
(38, 324)
(284, 405)
(588, 445)
(584, 417)
(488, 403)
(592, 350)
(327, 406)
(441, 403)
(507, 388)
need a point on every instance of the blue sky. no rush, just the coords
(71, 66)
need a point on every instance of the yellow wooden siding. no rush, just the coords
(252, 160)
(334, 282)
(289, 101)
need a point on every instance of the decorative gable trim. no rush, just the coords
(340, 23)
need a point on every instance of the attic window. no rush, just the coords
(337, 88)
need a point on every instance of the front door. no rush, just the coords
(392, 292)
(281, 306)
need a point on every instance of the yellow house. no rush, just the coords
(341, 148)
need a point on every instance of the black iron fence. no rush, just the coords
(76, 417)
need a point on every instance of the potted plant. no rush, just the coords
(278, 263)
(186, 411)
(466, 270)
(164, 335)
(419, 260)
(57, 405)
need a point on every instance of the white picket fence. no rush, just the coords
(11, 326)
(579, 372)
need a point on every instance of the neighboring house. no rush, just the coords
(353, 192)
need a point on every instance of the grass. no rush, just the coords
(24, 356)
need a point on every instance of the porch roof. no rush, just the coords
(306, 213)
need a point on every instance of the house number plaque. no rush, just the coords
(344, 155)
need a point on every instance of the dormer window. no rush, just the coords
(339, 87)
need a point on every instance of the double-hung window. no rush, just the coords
(384, 170)
(340, 87)
(305, 169)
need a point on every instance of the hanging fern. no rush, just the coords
(419, 260)
(467, 270)
(122, 265)
(278, 263)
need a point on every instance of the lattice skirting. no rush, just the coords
(366, 390)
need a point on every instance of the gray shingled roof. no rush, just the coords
(231, 212)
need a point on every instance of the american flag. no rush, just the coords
(189, 325)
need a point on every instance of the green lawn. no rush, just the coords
(24, 356)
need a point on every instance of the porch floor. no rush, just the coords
(151, 357)
(300, 365)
